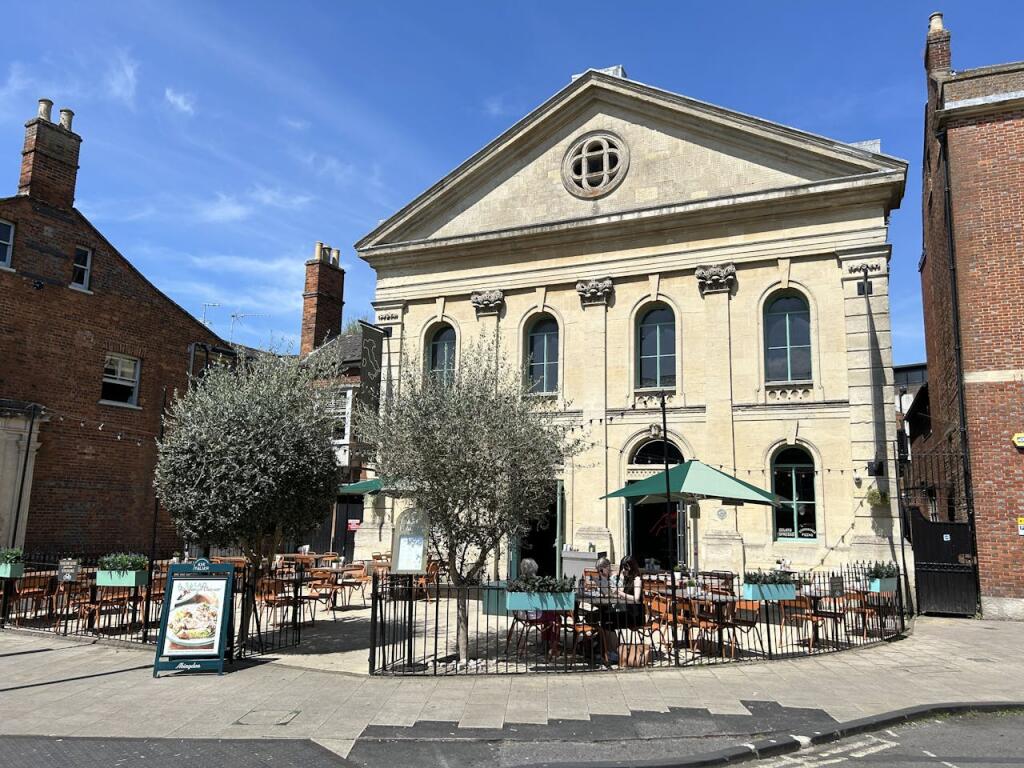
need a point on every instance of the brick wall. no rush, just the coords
(987, 182)
(986, 171)
(91, 491)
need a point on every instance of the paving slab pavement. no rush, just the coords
(56, 687)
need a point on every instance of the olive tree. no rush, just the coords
(246, 456)
(475, 452)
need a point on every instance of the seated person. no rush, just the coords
(549, 621)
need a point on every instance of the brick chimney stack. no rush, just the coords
(49, 160)
(937, 56)
(322, 298)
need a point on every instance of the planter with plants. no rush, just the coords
(769, 586)
(876, 497)
(12, 563)
(882, 577)
(122, 569)
(541, 593)
(494, 596)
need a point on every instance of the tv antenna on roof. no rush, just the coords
(207, 305)
(239, 316)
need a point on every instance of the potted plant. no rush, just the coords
(12, 563)
(175, 557)
(541, 593)
(122, 569)
(770, 586)
(882, 577)
(876, 497)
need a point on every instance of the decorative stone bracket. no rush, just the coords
(716, 278)
(487, 302)
(595, 292)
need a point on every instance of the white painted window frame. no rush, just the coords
(8, 251)
(84, 285)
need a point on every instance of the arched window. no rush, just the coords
(653, 452)
(542, 354)
(656, 349)
(441, 353)
(793, 482)
(787, 339)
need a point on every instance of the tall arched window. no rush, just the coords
(793, 482)
(441, 353)
(787, 339)
(542, 355)
(656, 349)
(653, 452)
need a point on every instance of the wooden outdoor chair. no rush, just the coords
(799, 612)
(33, 591)
(746, 620)
(424, 581)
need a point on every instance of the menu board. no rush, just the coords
(197, 610)
(195, 619)
(409, 543)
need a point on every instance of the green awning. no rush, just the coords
(693, 480)
(363, 486)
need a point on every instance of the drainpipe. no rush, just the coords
(24, 471)
(958, 357)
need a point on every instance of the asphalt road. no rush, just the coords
(994, 740)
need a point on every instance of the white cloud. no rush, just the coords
(225, 208)
(122, 78)
(495, 106)
(296, 124)
(327, 166)
(183, 102)
(274, 197)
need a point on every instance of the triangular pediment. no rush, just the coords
(680, 151)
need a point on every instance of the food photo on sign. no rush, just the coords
(196, 614)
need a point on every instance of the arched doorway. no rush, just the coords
(652, 531)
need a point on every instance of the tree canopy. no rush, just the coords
(477, 453)
(247, 457)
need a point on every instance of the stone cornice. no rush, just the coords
(626, 264)
(882, 188)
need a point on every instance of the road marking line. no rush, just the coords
(872, 750)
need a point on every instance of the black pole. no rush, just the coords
(24, 471)
(152, 538)
(681, 555)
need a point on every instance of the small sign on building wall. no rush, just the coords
(1018, 439)
(1020, 526)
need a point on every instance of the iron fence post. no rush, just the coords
(5, 601)
(373, 623)
(675, 616)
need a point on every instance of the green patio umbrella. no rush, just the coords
(694, 480)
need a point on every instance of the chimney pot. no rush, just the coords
(318, 251)
(66, 116)
(935, 22)
(335, 257)
(45, 107)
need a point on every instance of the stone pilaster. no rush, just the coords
(595, 297)
(865, 278)
(720, 544)
(13, 436)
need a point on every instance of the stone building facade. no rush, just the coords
(87, 347)
(625, 241)
(972, 279)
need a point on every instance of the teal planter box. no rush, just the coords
(494, 595)
(540, 601)
(769, 592)
(12, 570)
(882, 585)
(121, 578)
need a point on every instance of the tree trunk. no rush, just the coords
(462, 624)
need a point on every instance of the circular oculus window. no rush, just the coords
(595, 164)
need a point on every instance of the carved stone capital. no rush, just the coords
(595, 292)
(487, 302)
(716, 278)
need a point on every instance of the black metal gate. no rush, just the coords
(944, 567)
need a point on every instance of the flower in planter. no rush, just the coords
(123, 561)
(882, 571)
(542, 584)
(767, 577)
(11, 555)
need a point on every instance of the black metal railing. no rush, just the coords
(421, 626)
(272, 608)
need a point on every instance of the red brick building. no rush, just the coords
(972, 279)
(87, 348)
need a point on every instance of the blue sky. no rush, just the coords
(222, 139)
